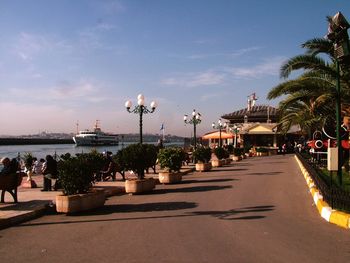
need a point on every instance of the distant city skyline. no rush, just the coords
(63, 62)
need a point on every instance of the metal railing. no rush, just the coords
(335, 196)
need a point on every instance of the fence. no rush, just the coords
(335, 196)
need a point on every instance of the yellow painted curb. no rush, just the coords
(340, 218)
(321, 204)
(333, 216)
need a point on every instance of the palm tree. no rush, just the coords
(310, 98)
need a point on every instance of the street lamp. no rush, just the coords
(219, 126)
(140, 109)
(235, 129)
(195, 120)
(338, 35)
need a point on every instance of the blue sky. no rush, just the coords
(68, 61)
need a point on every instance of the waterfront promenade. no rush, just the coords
(257, 210)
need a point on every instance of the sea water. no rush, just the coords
(40, 151)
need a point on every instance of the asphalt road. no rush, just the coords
(257, 210)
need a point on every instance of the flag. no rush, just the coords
(162, 126)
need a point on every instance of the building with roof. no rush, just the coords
(255, 125)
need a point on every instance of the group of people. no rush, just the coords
(47, 167)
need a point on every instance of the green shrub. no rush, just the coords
(76, 174)
(247, 148)
(28, 160)
(230, 148)
(262, 150)
(202, 154)
(237, 151)
(220, 153)
(171, 158)
(138, 157)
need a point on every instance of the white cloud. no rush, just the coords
(206, 79)
(110, 7)
(191, 80)
(269, 67)
(30, 45)
(66, 89)
(234, 54)
(243, 51)
(207, 97)
(84, 90)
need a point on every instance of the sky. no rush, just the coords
(66, 62)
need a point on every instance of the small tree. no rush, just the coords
(76, 174)
(28, 160)
(138, 157)
(202, 154)
(220, 153)
(171, 158)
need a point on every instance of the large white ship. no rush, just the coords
(95, 137)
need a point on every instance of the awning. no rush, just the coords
(216, 135)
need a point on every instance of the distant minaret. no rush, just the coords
(77, 124)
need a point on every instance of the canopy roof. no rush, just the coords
(258, 113)
(216, 135)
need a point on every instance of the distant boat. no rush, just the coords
(95, 137)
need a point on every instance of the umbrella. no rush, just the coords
(216, 135)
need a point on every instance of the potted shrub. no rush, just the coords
(261, 151)
(170, 160)
(202, 156)
(76, 175)
(237, 154)
(28, 164)
(138, 158)
(247, 151)
(221, 154)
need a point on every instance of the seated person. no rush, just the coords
(49, 172)
(6, 170)
(110, 170)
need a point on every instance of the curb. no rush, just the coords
(28, 213)
(330, 215)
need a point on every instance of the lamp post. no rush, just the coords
(235, 129)
(140, 109)
(195, 120)
(219, 126)
(338, 35)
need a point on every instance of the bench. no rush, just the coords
(9, 183)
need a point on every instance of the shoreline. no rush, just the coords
(34, 141)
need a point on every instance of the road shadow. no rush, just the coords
(207, 181)
(234, 214)
(132, 208)
(191, 189)
(230, 170)
(267, 173)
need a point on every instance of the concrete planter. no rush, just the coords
(170, 177)
(202, 167)
(236, 158)
(262, 154)
(136, 186)
(217, 163)
(80, 202)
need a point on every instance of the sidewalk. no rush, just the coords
(33, 203)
